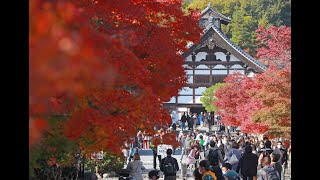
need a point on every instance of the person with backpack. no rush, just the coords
(267, 172)
(275, 163)
(248, 164)
(213, 155)
(169, 166)
(234, 151)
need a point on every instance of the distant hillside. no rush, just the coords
(246, 16)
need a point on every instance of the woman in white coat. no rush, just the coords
(135, 167)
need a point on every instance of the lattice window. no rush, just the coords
(202, 79)
(217, 79)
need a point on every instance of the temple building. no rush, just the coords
(209, 62)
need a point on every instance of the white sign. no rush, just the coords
(162, 149)
(98, 155)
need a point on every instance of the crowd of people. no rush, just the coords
(191, 121)
(220, 155)
(235, 156)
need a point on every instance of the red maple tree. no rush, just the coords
(107, 66)
(235, 103)
(261, 104)
(275, 45)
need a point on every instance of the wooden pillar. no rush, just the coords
(228, 68)
(176, 109)
(210, 77)
(193, 82)
(228, 60)
(193, 79)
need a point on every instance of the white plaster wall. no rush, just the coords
(185, 99)
(203, 72)
(236, 66)
(188, 72)
(201, 55)
(186, 90)
(202, 66)
(221, 56)
(219, 72)
(200, 90)
(219, 66)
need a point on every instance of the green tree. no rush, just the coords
(208, 97)
(247, 15)
(52, 150)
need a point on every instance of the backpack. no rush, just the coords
(271, 174)
(169, 166)
(213, 157)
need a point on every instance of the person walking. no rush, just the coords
(183, 121)
(267, 172)
(283, 156)
(234, 151)
(248, 164)
(135, 167)
(276, 164)
(213, 155)
(154, 143)
(190, 121)
(169, 166)
(187, 144)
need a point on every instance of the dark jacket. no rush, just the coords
(175, 164)
(277, 166)
(284, 156)
(184, 118)
(248, 164)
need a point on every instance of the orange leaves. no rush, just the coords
(91, 61)
(36, 127)
(171, 139)
(156, 141)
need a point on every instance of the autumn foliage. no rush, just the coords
(236, 105)
(275, 45)
(106, 66)
(261, 104)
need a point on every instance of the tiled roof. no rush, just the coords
(209, 7)
(238, 49)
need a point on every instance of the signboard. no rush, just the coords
(98, 155)
(162, 149)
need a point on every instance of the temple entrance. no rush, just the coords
(197, 110)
